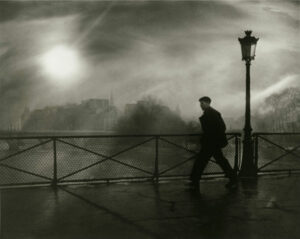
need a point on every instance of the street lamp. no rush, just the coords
(248, 46)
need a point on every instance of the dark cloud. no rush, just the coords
(173, 50)
(159, 15)
(131, 22)
(28, 10)
(125, 21)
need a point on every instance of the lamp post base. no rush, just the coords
(250, 172)
(248, 169)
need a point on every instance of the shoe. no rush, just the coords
(232, 184)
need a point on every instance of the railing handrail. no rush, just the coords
(276, 133)
(108, 136)
(97, 135)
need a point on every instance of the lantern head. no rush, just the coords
(248, 46)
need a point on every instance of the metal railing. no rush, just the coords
(90, 158)
(277, 152)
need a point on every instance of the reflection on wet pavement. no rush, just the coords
(265, 208)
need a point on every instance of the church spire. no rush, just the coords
(111, 99)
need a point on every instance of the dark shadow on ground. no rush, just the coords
(117, 215)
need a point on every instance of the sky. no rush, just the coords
(174, 51)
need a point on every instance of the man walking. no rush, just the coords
(212, 142)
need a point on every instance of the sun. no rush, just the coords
(61, 62)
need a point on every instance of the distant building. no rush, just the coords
(96, 105)
(25, 115)
(130, 108)
(91, 114)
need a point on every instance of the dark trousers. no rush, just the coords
(202, 159)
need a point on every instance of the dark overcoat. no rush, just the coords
(214, 128)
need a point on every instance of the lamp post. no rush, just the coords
(248, 46)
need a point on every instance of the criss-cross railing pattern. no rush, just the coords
(67, 159)
(275, 152)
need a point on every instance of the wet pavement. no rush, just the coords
(266, 208)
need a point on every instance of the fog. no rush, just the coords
(173, 51)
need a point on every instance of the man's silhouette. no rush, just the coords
(212, 142)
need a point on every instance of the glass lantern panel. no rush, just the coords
(246, 51)
(253, 48)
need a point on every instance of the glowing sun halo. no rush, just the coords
(61, 62)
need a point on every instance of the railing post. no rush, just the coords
(240, 152)
(256, 151)
(54, 181)
(156, 169)
(236, 156)
(1, 233)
